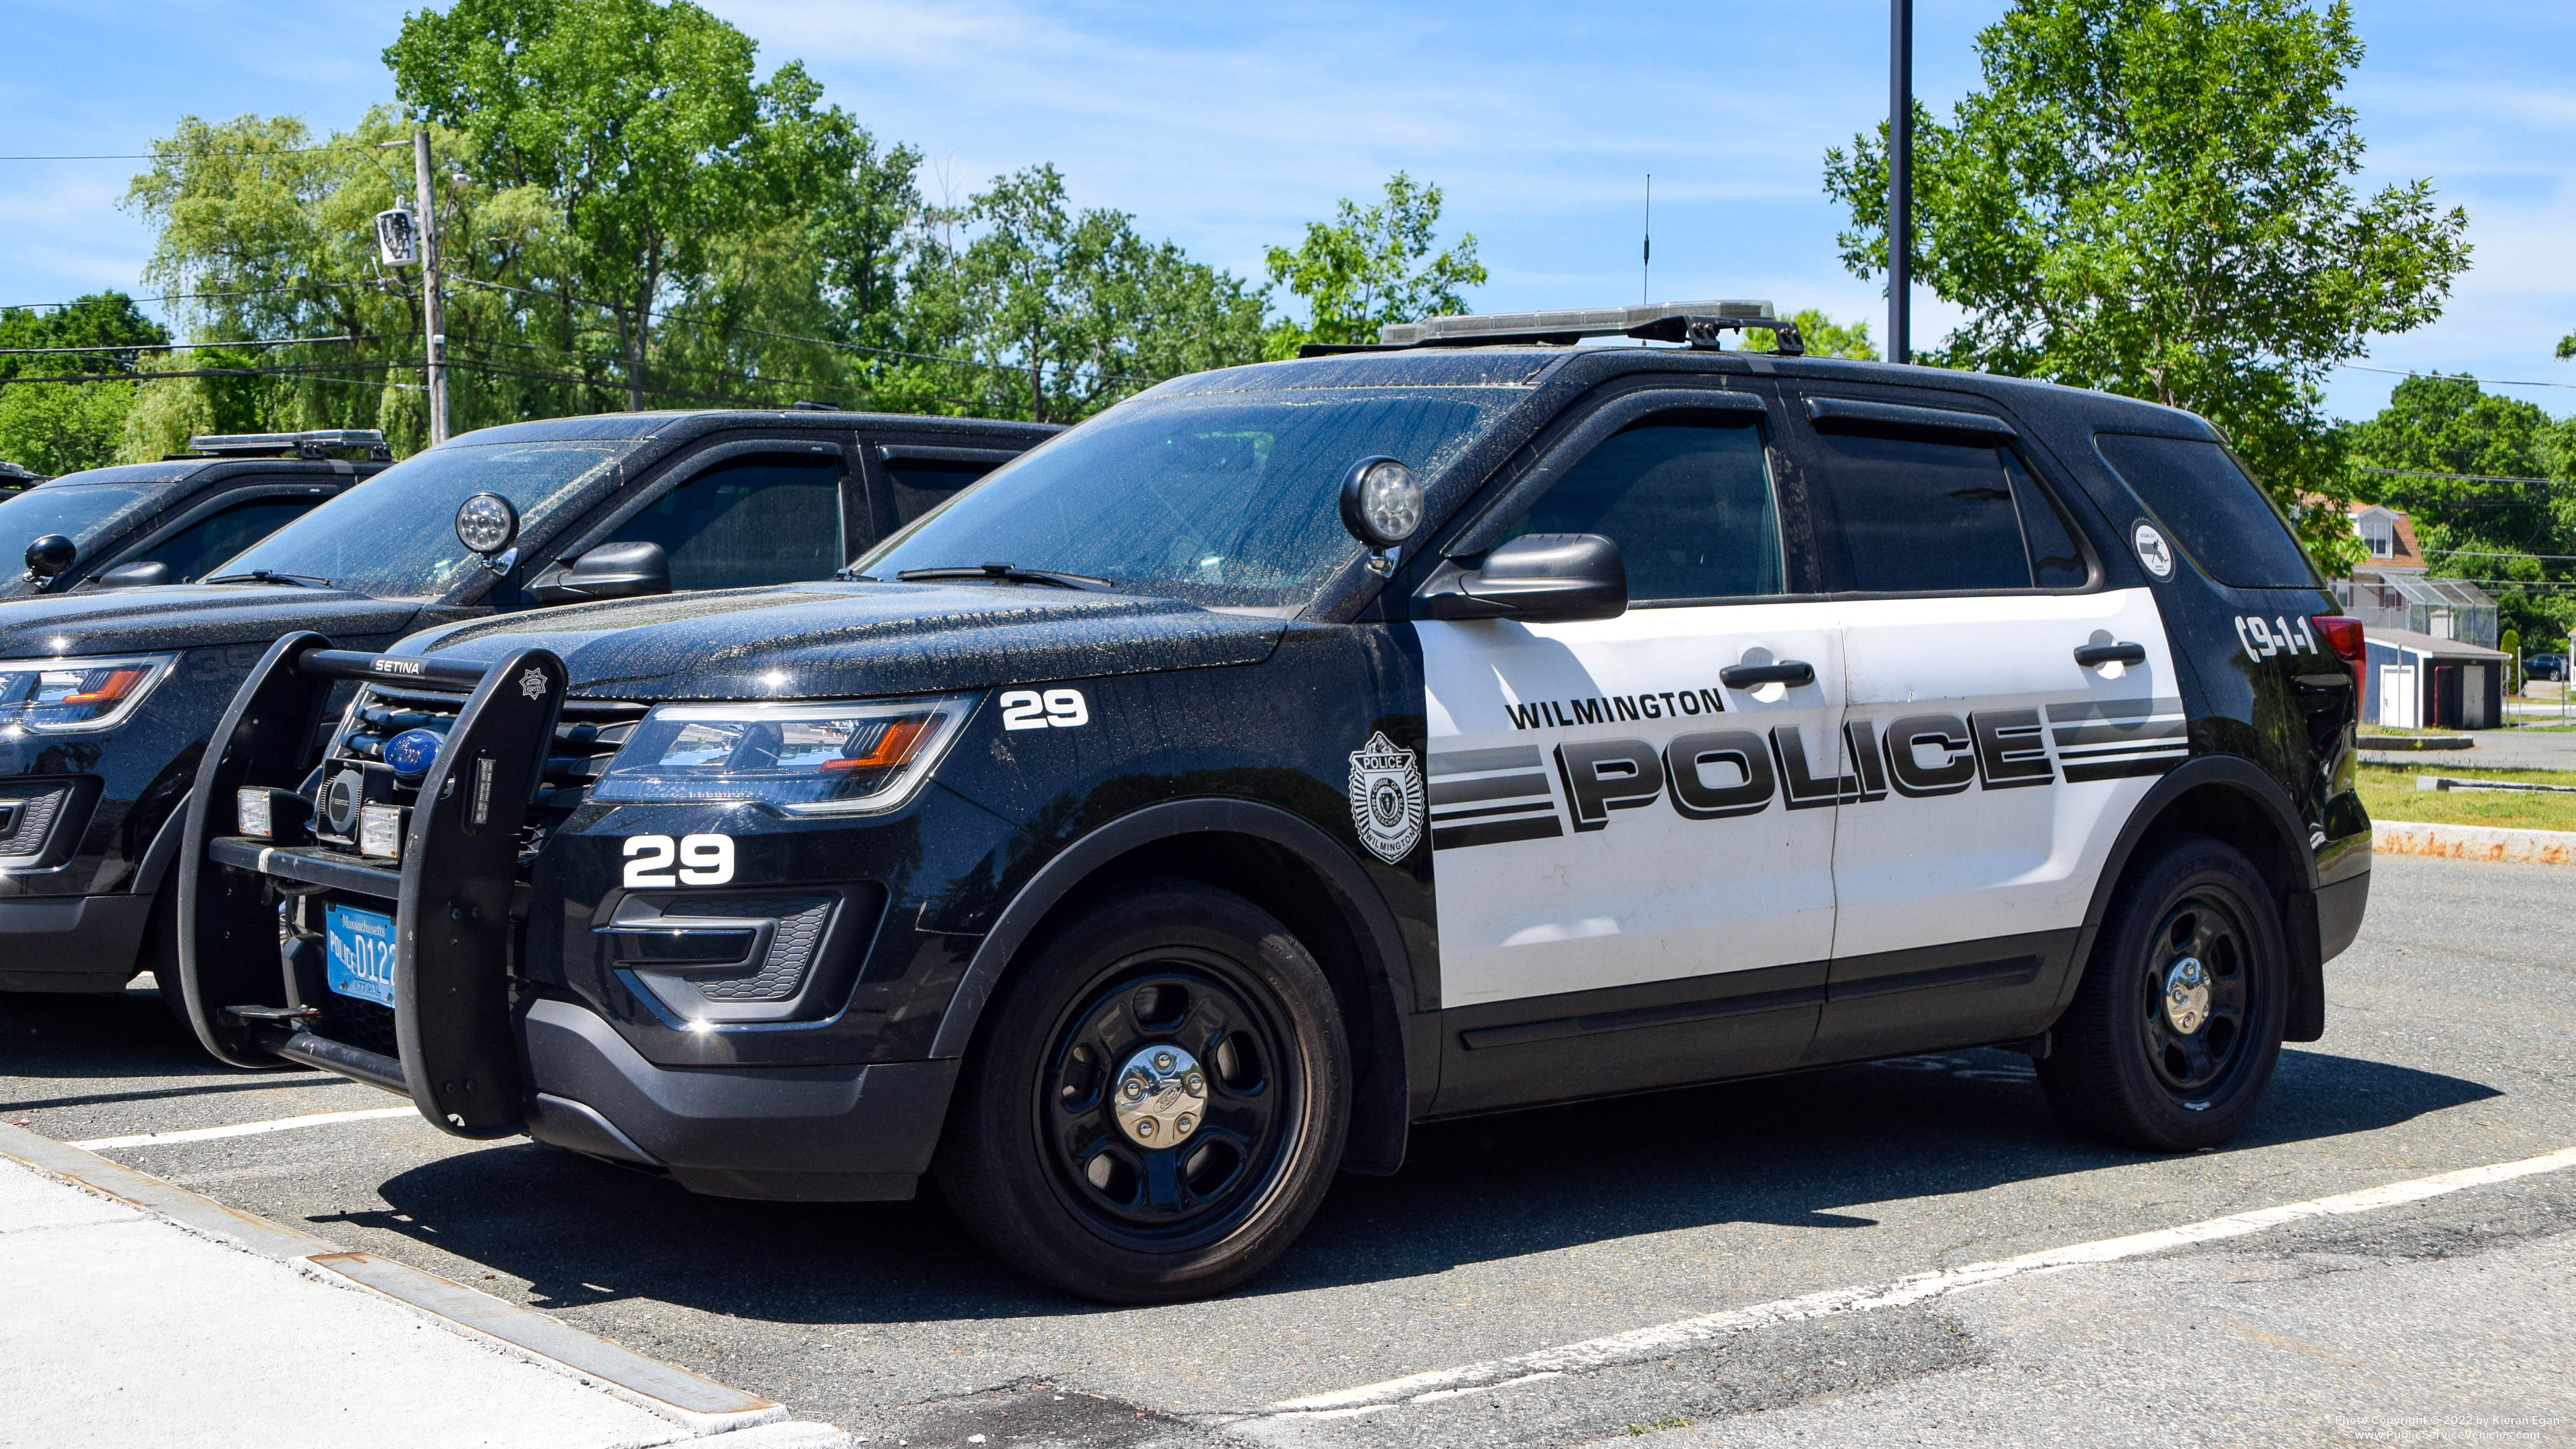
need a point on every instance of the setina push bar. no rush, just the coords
(451, 896)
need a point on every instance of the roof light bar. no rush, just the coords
(310, 443)
(1573, 323)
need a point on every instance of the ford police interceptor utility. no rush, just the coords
(108, 691)
(1300, 751)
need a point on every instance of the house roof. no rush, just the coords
(2426, 644)
(2405, 552)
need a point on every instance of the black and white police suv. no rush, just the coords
(1300, 751)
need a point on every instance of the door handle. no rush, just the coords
(2088, 655)
(1787, 671)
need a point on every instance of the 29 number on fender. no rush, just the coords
(701, 860)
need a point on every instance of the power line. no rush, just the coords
(203, 346)
(2448, 377)
(2466, 477)
(196, 296)
(184, 151)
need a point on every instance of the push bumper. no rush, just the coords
(70, 943)
(478, 1052)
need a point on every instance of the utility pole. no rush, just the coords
(1900, 176)
(1646, 253)
(433, 307)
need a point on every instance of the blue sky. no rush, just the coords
(1227, 127)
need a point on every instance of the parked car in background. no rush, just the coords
(107, 696)
(2545, 666)
(15, 479)
(171, 522)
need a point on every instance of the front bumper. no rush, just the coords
(70, 943)
(482, 1051)
(827, 1134)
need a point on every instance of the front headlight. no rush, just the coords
(841, 757)
(69, 696)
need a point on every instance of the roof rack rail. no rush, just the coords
(1695, 323)
(14, 476)
(311, 443)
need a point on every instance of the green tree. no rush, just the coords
(1054, 313)
(62, 427)
(1821, 335)
(640, 119)
(1371, 266)
(2154, 197)
(2487, 481)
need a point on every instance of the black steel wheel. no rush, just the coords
(2176, 1027)
(1157, 1103)
(1168, 1097)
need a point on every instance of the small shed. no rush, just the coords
(2415, 681)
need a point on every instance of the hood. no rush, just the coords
(820, 641)
(186, 616)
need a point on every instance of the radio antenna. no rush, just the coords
(1646, 253)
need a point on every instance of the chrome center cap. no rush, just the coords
(1161, 1096)
(2187, 995)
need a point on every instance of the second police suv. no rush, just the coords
(1301, 751)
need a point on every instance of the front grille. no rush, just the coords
(587, 735)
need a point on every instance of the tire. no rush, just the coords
(160, 954)
(1048, 1158)
(2121, 1066)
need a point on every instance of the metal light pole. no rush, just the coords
(1900, 176)
(433, 307)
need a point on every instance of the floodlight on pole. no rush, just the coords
(433, 306)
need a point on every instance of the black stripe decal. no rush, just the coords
(1492, 787)
(1470, 762)
(1679, 1012)
(2122, 769)
(1521, 809)
(2118, 734)
(1540, 827)
(2110, 710)
(2017, 970)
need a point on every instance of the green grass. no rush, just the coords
(2388, 792)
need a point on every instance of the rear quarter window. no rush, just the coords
(2207, 505)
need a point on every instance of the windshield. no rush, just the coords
(394, 536)
(1220, 499)
(81, 512)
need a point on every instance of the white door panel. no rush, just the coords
(1605, 812)
(2008, 768)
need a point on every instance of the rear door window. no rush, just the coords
(196, 550)
(765, 519)
(920, 484)
(1915, 515)
(2205, 503)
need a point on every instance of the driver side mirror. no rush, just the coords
(610, 571)
(140, 574)
(1540, 578)
(49, 556)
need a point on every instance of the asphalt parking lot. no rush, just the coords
(2451, 1046)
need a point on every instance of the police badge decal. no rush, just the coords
(1386, 799)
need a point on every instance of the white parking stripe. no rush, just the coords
(1663, 1339)
(243, 1129)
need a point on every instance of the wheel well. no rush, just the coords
(2228, 814)
(1306, 901)
(2231, 814)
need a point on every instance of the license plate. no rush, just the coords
(360, 954)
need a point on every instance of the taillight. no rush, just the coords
(2343, 636)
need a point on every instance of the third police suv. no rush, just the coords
(1298, 752)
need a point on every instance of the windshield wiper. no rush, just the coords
(1003, 573)
(271, 576)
